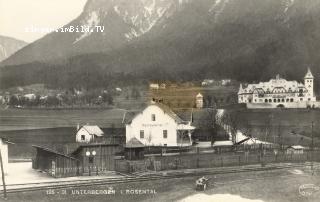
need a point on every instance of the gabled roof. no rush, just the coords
(134, 143)
(169, 112)
(130, 115)
(93, 130)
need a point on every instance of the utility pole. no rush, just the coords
(3, 179)
(312, 147)
(279, 137)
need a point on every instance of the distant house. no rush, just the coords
(158, 125)
(163, 86)
(207, 82)
(225, 82)
(295, 149)
(87, 134)
(4, 152)
(118, 89)
(154, 86)
(30, 96)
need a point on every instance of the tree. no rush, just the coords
(135, 94)
(210, 122)
(14, 100)
(231, 120)
(107, 98)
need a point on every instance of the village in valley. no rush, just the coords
(161, 130)
(160, 100)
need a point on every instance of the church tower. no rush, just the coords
(199, 101)
(308, 83)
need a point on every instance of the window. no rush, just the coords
(274, 100)
(91, 159)
(83, 137)
(141, 134)
(291, 100)
(165, 134)
(301, 99)
(309, 99)
(270, 100)
(266, 100)
(153, 117)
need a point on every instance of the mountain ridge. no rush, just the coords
(247, 40)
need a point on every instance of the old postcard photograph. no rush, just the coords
(160, 100)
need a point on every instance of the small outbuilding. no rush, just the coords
(87, 134)
(96, 158)
(134, 149)
(295, 149)
(54, 163)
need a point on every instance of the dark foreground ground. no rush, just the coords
(266, 186)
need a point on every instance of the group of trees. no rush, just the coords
(65, 99)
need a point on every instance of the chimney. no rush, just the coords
(78, 126)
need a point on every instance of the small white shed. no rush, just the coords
(87, 133)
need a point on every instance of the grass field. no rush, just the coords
(24, 119)
(293, 125)
(267, 186)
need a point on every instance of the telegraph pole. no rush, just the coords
(312, 147)
(3, 179)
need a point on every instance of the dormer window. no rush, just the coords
(153, 117)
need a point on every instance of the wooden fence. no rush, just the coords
(207, 160)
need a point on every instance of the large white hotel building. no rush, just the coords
(279, 92)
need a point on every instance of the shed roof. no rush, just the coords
(297, 147)
(93, 130)
(52, 151)
(92, 145)
(134, 143)
(6, 140)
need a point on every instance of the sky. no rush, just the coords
(17, 17)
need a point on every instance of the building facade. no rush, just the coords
(279, 92)
(157, 125)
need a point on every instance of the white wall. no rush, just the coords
(151, 128)
(4, 153)
(81, 132)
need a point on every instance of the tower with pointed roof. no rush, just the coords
(308, 83)
(199, 101)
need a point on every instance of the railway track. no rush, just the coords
(17, 188)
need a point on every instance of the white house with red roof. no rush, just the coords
(158, 125)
